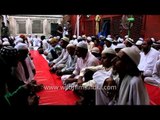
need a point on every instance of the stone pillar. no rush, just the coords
(45, 30)
(28, 26)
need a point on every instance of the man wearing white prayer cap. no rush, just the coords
(25, 70)
(109, 39)
(66, 39)
(108, 43)
(149, 57)
(62, 58)
(131, 88)
(83, 45)
(100, 73)
(69, 66)
(96, 52)
(18, 40)
(129, 42)
(90, 43)
(139, 44)
(85, 59)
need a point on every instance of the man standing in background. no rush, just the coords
(4, 31)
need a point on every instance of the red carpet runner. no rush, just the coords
(53, 94)
(154, 94)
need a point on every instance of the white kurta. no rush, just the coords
(90, 60)
(148, 61)
(20, 73)
(101, 95)
(155, 79)
(132, 92)
(62, 59)
(70, 64)
(45, 44)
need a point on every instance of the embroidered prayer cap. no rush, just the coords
(95, 50)
(82, 44)
(109, 39)
(8, 51)
(65, 39)
(109, 51)
(133, 53)
(130, 40)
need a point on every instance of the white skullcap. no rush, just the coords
(5, 39)
(139, 42)
(101, 36)
(133, 53)
(74, 36)
(58, 37)
(130, 40)
(82, 44)
(95, 50)
(89, 38)
(6, 43)
(0, 42)
(120, 39)
(65, 39)
(109, 39)
(153, 39)
(108, 36)
(64, 27)
(79, 37)
(18, 40)
(141, 39)
(126, 37)
(70, 45)
(21, 46)
(109, 51)
(120, 45)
